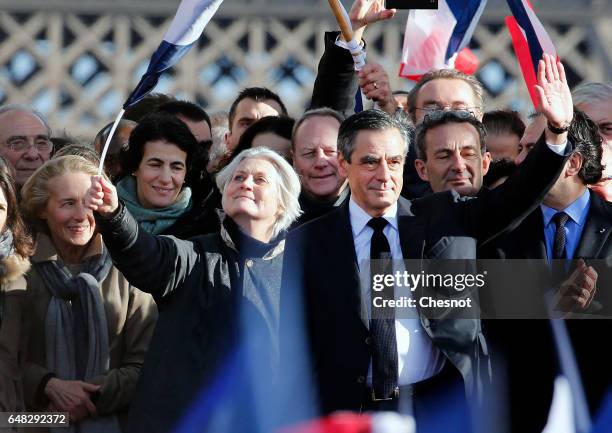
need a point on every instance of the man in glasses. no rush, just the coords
(24, 140)
(445, 89)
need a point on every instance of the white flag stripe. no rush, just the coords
(545, 42)
(183, 29)
(426, 38)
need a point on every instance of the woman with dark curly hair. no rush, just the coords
(15, 248)
(156, 165)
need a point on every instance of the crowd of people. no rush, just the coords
(218, 276)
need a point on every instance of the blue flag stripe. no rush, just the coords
(166, 56)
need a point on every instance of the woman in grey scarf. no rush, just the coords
(89, 328)
(15, 247)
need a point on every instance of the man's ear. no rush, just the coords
(342, 166)
(573, 164)
(486, 162)
(421, 168)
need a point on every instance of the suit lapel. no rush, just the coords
(530, 236)
(596, 230)
(411, 231)
(348, 277)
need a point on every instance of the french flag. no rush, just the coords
(438, 39)
(185, 29)
(530, 41)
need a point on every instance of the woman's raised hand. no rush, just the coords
(102, 196)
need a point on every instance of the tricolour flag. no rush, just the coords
(185, 29)
(435, 39)
(530, 41)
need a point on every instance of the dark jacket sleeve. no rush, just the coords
(503, 208)
(336, 83)
(157, 264)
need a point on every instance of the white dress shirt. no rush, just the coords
(418, 359)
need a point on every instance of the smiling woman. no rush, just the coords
(219, 297)
(158, 158)
(88, 327)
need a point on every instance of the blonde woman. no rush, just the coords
(89, 328)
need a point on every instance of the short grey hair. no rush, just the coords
(22, 107)
(288, 183)
(590, 92)
(445, 74)
(369, 120)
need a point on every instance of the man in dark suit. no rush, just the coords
(356, 365)
(572, 223)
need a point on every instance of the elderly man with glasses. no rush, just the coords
(24, 140)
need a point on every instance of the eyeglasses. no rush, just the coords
(22, 143)
(439, 107)
(436, 115)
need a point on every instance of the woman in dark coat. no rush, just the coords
(218, 297)
(15, 248)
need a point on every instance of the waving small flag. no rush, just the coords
(530, 41)
(185, 29)
(437, 39)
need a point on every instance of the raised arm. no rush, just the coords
(337, 82)
(158, 264)
(505, 206)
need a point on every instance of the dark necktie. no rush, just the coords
(560, 219)
(382, 322)
(567, 360)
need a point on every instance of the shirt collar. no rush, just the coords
(577, 211)
(360, 218)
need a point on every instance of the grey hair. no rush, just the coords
(590, 91)
(288, 183)
(22, 107)
(445, 74)
(369, 120)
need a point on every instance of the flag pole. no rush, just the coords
(108, 140)
(346, 29)
(340, 13)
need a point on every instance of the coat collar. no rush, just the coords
(411, 230)
(227, 240)
(47, 252)
(596, 230)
